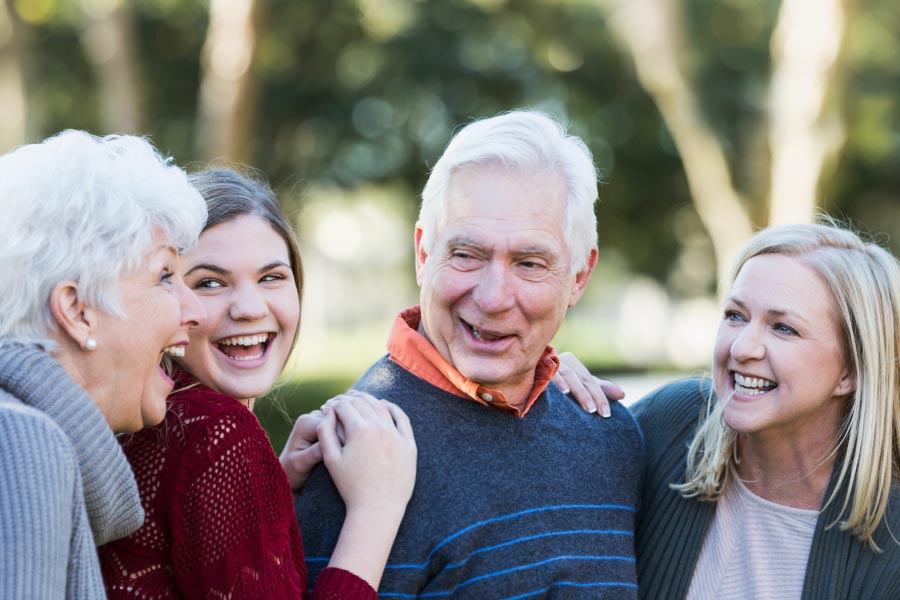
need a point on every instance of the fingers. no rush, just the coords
(583, 395)
(328, 436)
(304, 431)
(611, 390)
(591, 393)
(400, 420)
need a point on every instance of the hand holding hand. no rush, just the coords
(302, 452)
(591, 393)
(374, 466)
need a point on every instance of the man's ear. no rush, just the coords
(582, 278)
(421, 255)
(75, 319)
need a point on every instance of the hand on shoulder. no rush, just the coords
(369, 449)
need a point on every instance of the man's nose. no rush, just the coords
(496, 289)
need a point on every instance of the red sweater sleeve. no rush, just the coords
(338, 584)
(219, 513)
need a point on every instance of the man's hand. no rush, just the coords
(302, 451)
(591, 393)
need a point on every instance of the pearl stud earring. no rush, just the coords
(90, 344)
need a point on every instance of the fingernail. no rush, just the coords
(592, 409)
(606, 413)
(566, 391)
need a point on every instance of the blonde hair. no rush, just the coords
(864, 280)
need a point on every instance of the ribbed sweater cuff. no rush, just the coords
(338, 584)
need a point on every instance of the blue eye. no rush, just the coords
(785, 329)
(166, 278)
(274, 277)
(733, 315)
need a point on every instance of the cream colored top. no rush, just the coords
(754, 549)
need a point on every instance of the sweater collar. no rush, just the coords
(110, 491)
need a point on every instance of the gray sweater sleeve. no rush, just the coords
(46, 546)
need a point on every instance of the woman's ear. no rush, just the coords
(76, 320)
(846, 385)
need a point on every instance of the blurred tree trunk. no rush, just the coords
(228, 90)
(653, 33)
(14, 124)
(806, 125)
(109, 43)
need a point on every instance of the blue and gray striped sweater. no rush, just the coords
(503, 507)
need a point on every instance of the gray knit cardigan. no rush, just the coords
(671, 529)
(65, 485)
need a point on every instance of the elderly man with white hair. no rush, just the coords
(519, 493)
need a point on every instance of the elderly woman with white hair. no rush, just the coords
(92, 300)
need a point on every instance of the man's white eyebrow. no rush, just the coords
(536, 251)
(462, 240)
(467, 242)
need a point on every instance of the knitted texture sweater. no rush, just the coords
(503, 507)
(220, 520)
(64, 482)
(671, 529)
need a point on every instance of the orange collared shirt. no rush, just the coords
(413, 352)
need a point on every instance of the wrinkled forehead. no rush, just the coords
(507, 199)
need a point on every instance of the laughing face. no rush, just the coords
(241, 271)
(157, 312)
(497, 284)
(779, 361)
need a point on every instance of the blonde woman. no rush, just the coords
(788, 488)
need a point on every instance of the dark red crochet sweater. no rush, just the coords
(219, 512)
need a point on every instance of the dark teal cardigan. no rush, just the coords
(670, 528)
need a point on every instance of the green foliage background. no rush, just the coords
(364, 92)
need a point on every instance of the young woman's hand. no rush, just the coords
(373, 467)
(591, 393)
(369, 449)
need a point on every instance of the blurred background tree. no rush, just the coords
(707, 119)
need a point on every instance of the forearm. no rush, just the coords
(365, 542)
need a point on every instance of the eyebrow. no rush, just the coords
(773, 311)
(225, 272)
(460, 240)
(208, 267)
(274, 265)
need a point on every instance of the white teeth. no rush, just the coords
(475, 332)
(174, 351)
(752, 385)
(245, 340)
(254, 357)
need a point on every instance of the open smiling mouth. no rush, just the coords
(245, 347)
(175, 351)
(483, 335)
(752, 386)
